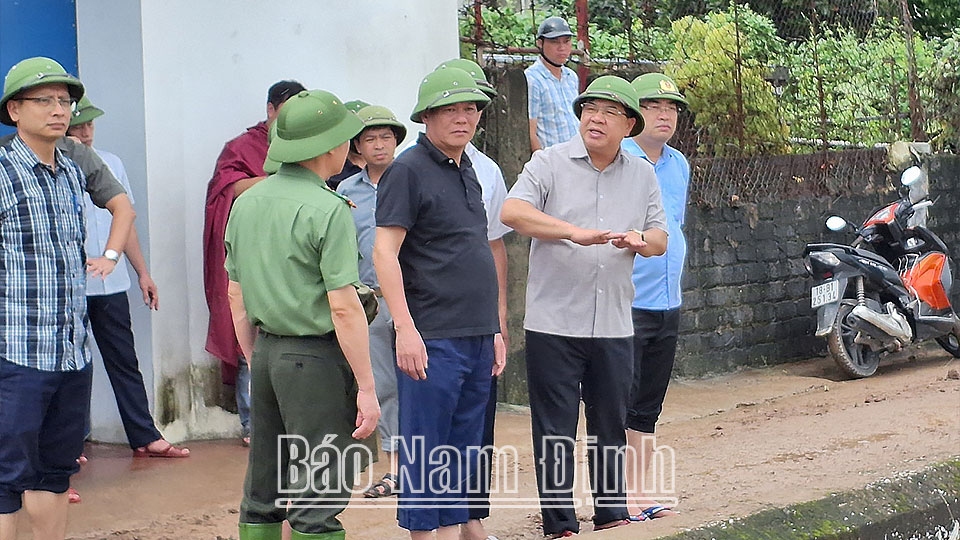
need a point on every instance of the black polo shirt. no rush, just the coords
(448, 270)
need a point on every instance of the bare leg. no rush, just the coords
(635, 471)
(8, 526)
(48, 514)
(473, 530)
(451, 532)
(421, 535)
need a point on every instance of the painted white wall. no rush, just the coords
(112, 76)
(202, 76)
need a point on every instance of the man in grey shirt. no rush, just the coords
(590, 209)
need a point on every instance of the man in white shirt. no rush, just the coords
(109, 309)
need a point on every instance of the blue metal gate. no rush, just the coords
(37, 28)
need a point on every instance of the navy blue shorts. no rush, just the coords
(441, 431)
(42, 423)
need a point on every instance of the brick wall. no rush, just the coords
(746, 294)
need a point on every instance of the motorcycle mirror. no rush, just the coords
(911, 176)
(836, 223)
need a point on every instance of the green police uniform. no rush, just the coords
(289, 241)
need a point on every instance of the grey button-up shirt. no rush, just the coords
(585, 291)
(359, 189)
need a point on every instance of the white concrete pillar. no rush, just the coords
(178, 78)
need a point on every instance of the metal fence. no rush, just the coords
(827, 81)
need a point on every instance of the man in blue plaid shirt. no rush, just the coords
(552, 87)
(45, 371)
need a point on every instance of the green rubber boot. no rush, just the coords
(334, 535)
(260, 531)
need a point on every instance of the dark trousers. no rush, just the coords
(654, 348)
(480, 480)
(110, 322)
(559, 371)
(42, 427)
(303, 412)
(441, 425)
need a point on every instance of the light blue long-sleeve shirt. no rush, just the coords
(656, 280)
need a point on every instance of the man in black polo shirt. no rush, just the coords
(438, 277)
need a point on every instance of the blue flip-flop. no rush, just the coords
(649, 513)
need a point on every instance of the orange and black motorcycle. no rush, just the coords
(891, 287)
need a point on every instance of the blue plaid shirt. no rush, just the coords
(43, 307)
(550, 102)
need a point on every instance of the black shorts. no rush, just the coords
(654, 347)
(43, 418)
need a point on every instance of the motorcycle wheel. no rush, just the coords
(951, 343)
(856, 360)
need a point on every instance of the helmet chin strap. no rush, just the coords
(547, 60)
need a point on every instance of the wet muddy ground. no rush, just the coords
(742, 443)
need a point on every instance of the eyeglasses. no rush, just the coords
(48, 102)
(591, 109)
(666, 109)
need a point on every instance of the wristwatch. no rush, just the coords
(111, 255)
(642, 239)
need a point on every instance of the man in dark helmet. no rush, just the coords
(552, 87)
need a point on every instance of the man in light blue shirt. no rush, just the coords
(552, 87)
(376, 145)
(109, 309)
(656, 280)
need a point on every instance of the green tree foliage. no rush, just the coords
(944, 79)
(864, 82)
(853, 51)
(936, 18)
(723, 78)
(507, 28)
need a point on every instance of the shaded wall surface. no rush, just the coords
(178, 79)
(746, 296)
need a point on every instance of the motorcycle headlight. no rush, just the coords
(825, 258)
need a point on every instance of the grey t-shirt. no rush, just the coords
(585, 291)
(102, 185)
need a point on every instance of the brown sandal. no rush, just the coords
(386, 487)
(170, 451)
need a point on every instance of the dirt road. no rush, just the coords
(742, 443)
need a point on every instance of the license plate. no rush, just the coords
(827, 293)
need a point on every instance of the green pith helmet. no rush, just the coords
(613, 88)
(446, 87)
(375, 115)
(311, 124)
(85, 112)
(270, 166)
(553, 27)
(355, 105)
(35, 72)
(657, 86)
(475, 71)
